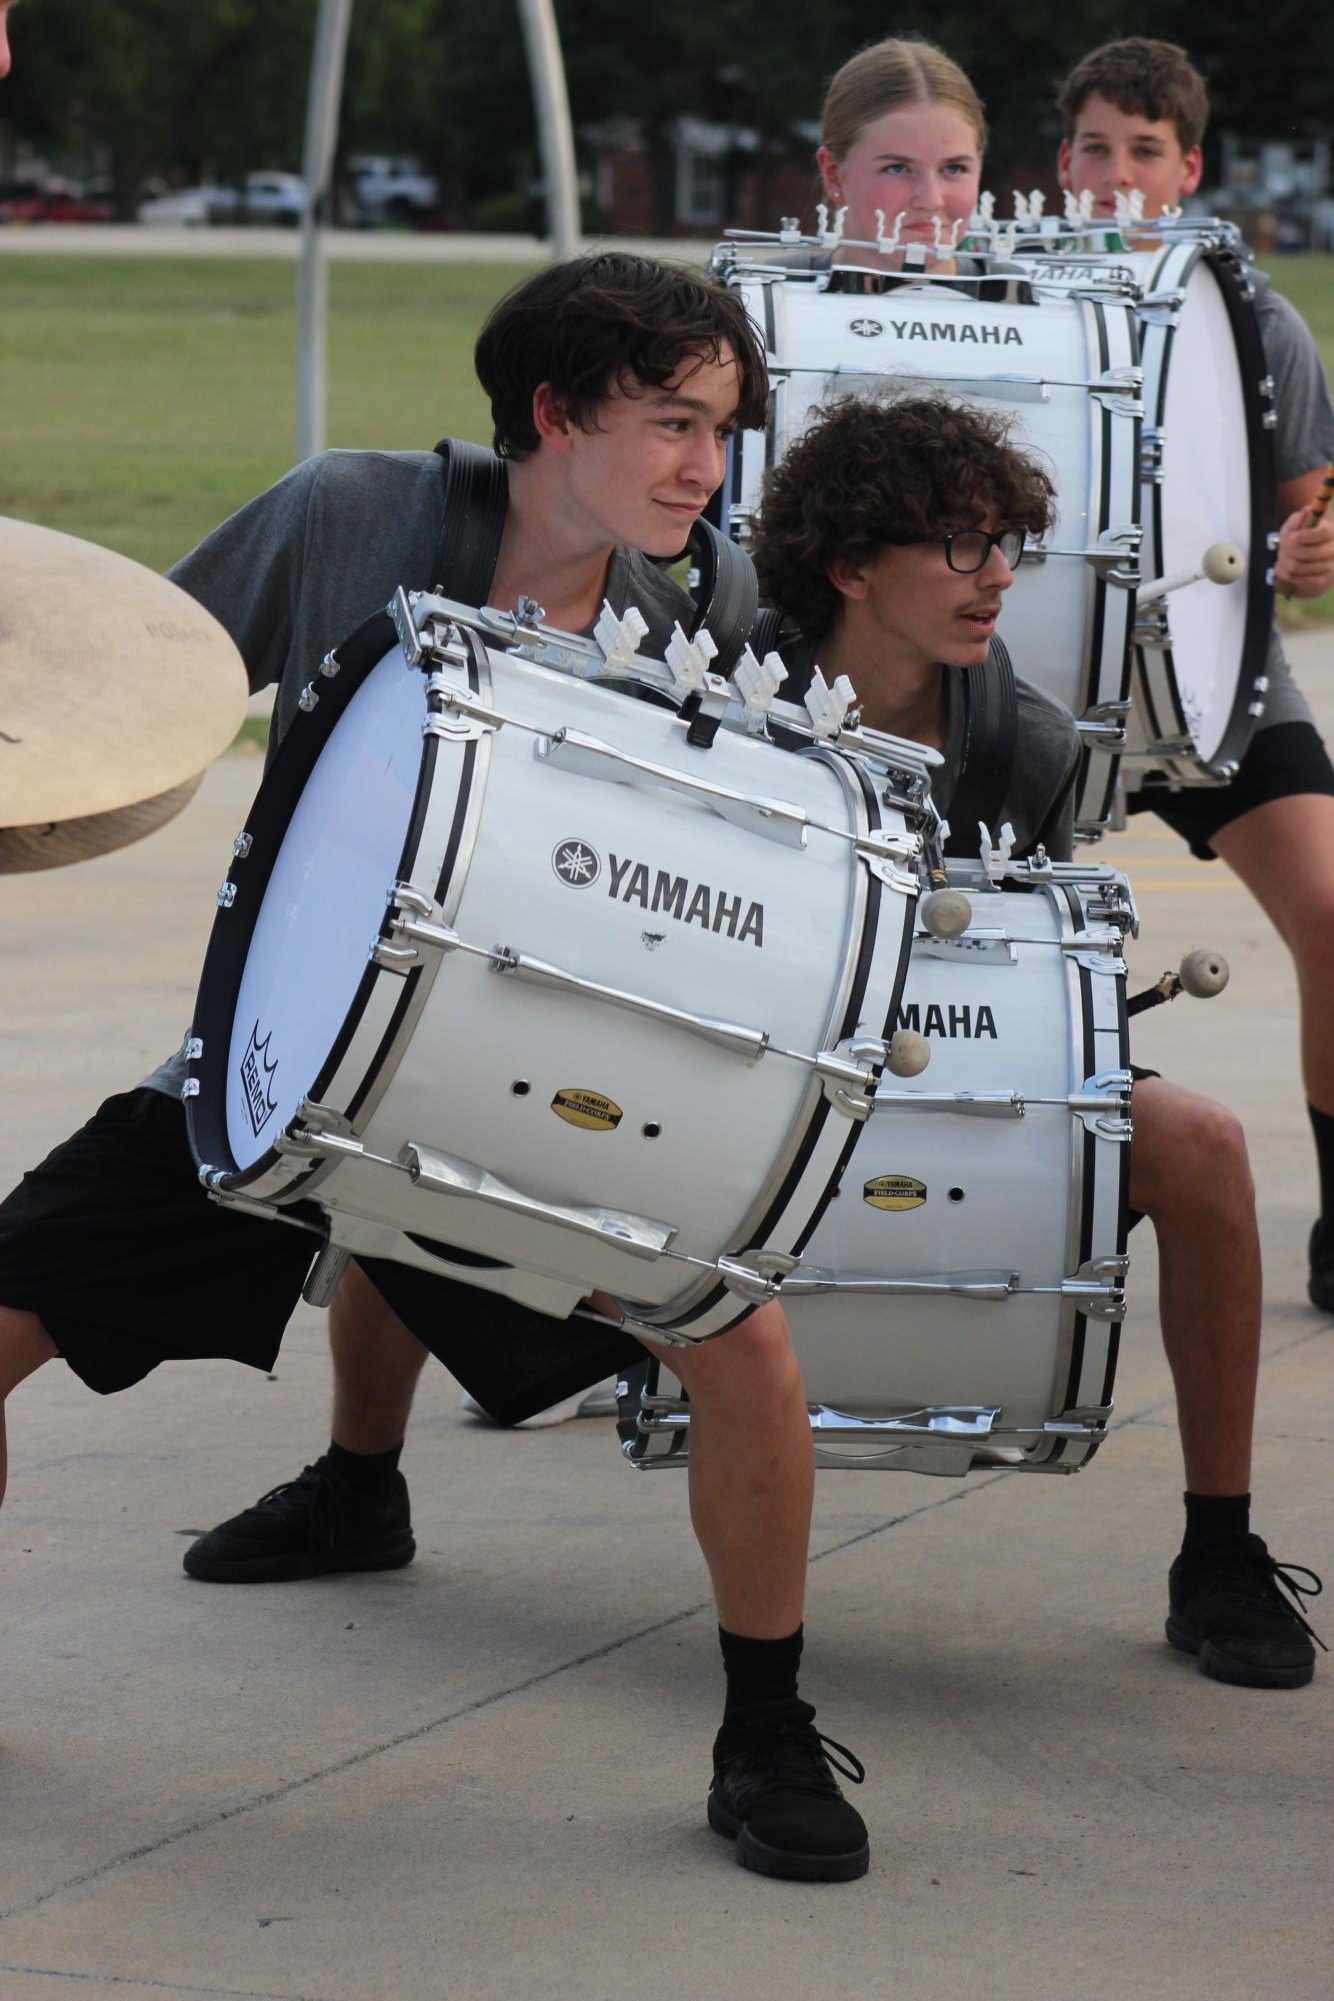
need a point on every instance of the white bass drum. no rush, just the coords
(960, 1303)
(545, 988)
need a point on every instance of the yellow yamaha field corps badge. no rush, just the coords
(588, 1109)
(894, 1191)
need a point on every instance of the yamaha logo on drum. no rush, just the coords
(657, 889)
(593, 1111)
(894, 1192)
(576, 863)
(868, 329)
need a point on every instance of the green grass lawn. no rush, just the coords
(142, 399)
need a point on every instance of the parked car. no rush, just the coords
(265, 198)
(52, 201)
(187, 208)
(272, 197)
(392, 188)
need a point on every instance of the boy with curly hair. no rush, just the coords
(889, 537)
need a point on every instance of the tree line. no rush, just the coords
(208, 89)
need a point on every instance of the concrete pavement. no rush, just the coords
(485, 1774)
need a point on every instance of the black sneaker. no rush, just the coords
(1320, 1283)
(306, 1527)
(774, 1794)
(1227, 1608)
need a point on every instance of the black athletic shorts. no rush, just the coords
(117, 1248)
(1281, 763)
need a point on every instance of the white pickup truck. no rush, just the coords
(390, 188)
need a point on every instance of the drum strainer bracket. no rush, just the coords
(1103, 726)
(460, 717)
(1103, 1106)
(1098, 1288)
(759, 1280)
(1160, 309)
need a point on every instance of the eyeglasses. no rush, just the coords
(967, 549)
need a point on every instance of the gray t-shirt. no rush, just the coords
(296, 570)
(1303, 440)
(1040, 800)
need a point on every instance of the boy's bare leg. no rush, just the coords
(1189, 1173)
(751, 1470)
(24, 1346)
(1284, 853)
(376, 1363)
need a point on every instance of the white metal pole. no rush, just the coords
(326, 89)
(551, 101)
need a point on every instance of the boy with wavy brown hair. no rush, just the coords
(1135, 113)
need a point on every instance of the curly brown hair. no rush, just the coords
(870, 473)
(591, 325)
(1143, 78)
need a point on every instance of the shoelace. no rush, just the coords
(1289, 1575)
(789, 1758)
(1250, 1558)
(316, 1489)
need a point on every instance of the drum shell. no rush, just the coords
(975, 1196)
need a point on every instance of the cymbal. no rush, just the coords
(116, 690)
(55, 843)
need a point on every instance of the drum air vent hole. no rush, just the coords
(651, 1130)
(521, 1087)
(956, 1194)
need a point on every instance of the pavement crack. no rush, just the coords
(149, 1981)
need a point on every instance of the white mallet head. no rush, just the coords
(945, 913)
(1203, 973)
(909, 1053)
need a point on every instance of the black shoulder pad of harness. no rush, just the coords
(990, 743)
(727, 595)
(476, 500)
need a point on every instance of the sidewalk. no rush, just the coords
(484, 1775)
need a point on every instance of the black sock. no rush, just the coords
(1322, 1125)
(1216, 1514)
(369, 1472)
(758, 1671)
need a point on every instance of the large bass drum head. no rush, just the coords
(1206, 497)
(322, 906)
